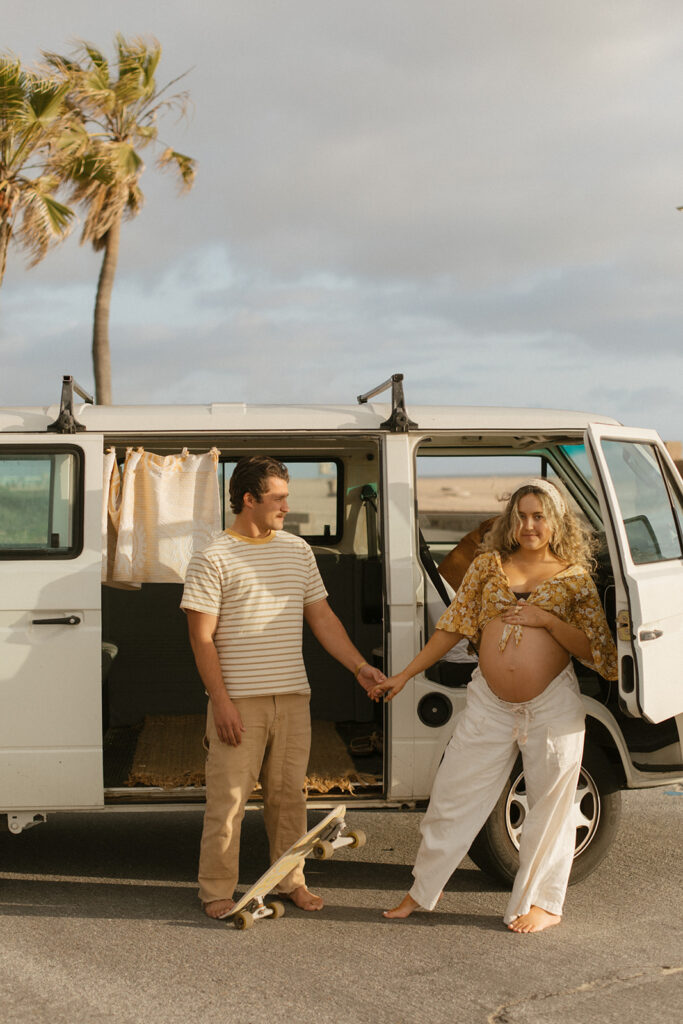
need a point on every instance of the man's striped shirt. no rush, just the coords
(258, 588)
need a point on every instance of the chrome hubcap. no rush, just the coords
(585, 812)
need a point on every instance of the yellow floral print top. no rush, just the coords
(571, 595)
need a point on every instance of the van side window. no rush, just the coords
(316, 494)
(644, 501)
(39, 507)
(457, 492)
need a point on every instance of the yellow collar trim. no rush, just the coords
(252, 540)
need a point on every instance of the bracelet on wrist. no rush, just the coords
(362, 665)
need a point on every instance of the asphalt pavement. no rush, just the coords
(99, 922)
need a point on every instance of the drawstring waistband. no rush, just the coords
(524, 716)
(524, 712)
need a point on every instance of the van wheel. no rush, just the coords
(597, 809)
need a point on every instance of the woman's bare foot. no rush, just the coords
(537, 920)
(304, 899)
(218, 909)
(404, 909)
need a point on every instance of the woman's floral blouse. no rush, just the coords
(571, 595)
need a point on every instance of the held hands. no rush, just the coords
(370, 678)
(389, 688)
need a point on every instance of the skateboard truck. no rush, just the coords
(257, 909)
(327, 836)
(335, 840)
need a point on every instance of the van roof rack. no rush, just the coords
(399, 422)
(66, 422)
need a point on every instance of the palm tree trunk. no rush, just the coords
(101, 358)
(5, 235)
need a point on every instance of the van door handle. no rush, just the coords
(68, 620)
(650, 634)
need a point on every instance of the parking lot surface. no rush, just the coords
(99, 922)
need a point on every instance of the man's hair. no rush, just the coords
(249, 477)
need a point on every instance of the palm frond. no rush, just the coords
(126, 159)
(146, 132)
(107, 205)
(12, 88)
(185, 165)
(43, 219)
(56, 62)
(15, 90)
(33, 113)
(97, 59)
(116, 107)
(135, 200)
(45, 102)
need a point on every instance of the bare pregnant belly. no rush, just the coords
(520, 672)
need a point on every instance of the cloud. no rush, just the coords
(482, 196)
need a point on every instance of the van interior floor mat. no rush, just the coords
(170, 754)
(330, 765)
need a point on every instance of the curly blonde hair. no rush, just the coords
(570, 542)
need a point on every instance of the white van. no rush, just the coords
(88, 671)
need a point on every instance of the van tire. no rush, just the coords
(495, 851)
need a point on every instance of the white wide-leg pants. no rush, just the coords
(549, 732)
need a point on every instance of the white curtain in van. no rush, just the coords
(111, 492)
(159, 511)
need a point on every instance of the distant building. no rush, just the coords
(675, 449)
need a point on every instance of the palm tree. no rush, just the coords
(33, 117)
(118, 111)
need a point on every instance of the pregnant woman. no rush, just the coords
(528, 604)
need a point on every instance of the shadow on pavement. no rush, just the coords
(143, 866)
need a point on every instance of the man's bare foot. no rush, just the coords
(304, 899)
(404, 909)
(218, 909)
(537, 920)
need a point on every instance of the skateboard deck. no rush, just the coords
(322, 840)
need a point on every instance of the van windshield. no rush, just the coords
(577, 454)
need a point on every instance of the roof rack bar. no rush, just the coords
(66, 422)
(362, 399)
(399, 422)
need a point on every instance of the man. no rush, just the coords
(245, 597)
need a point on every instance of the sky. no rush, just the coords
(480, 195)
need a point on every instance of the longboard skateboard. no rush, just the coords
(327, 836)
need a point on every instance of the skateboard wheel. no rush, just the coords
(323, 850)
(358, 838)
(277, 908)
(243, 920)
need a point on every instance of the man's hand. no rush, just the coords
(370, 678)
(388, 688)
(227, 720)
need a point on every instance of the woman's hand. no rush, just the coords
(570, 637)
(390, 687)
(523, 614)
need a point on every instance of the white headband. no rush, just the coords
(542, 485)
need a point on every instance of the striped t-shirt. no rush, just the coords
(258, 589)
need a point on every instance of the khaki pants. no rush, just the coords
(274, 750)
(549, 732)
